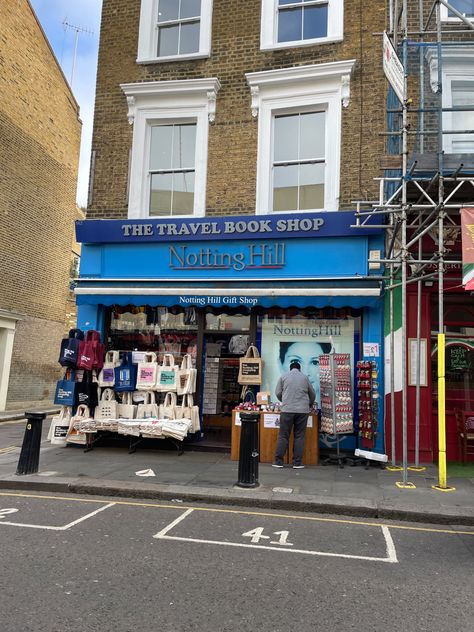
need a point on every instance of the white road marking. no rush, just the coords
(163, 532)
(64, 527)
(390, 547)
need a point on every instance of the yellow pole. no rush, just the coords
(442, 483)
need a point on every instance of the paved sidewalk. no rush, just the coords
(17, 410)
(210, 478)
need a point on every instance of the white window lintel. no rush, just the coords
(181, 92)
(283, 80)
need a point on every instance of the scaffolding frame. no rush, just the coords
(411, 205)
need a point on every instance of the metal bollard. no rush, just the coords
(30, 450)
(249, 455)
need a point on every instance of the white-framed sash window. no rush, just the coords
(465, 7)
(299, 136)
(174, 30)
(168, 166)
(289, 23)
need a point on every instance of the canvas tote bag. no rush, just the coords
(74, 435)
(250, 367)
(149, 408)
(65, 394)
(188, 410)
(147, 372)
(107, 373)
(166, 380)
(60, 426)
(69, 353)
(186, 376)
(126, 409)
(107, 406)
(167, 409)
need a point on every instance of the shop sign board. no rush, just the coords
(259, 259)
(393, 68)
(276, 226)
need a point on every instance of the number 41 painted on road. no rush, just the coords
(257, 535)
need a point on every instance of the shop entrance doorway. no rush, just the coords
(226, 339)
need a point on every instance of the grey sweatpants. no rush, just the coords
(288, 422)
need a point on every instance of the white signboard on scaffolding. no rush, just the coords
(393, 68)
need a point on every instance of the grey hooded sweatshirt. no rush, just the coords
(295, 392)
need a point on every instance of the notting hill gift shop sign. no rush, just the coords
(278, 226)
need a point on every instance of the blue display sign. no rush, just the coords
(278, 226)
(239, 259)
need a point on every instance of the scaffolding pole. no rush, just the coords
(408, 219)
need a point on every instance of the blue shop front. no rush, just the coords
(207, 288)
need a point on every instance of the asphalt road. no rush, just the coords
(71, 564)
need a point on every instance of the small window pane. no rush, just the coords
(168, 41)
(160, 194)
(189, 42)
(312, 135)
(281, 2)
(315, 21)
(183, 194)
(466, 7)
(285, 188)
(168, 10)
(161, 147)
(184, 146)
(290, 25)
(190, 9)
(311, 186)
(286, 138)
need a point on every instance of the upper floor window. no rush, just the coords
(457, 95)
(465, 7)
(299, 135)
(168, 167)
(301, 22)
(174, 29)
(299, 148)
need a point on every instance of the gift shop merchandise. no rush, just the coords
(100, 398)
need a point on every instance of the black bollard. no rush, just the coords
(30, 450)
(249, 455)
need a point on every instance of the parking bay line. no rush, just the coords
(129, 503)
(64, 527)
(390, 546)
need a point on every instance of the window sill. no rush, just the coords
(302, 44)
(173, 58)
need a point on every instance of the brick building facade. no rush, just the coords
(40, 134)
(236, 49)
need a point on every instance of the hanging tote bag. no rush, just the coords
(74, 435)
(166, 380)
(107, 373)
(186, 376)
(65, 394)
(87, 392)
(147, 372)
(149, 408)
(91, 352)
(126, 374)
(107, 406)
(250, 367)
(126, 409)
(60, 426)
(167, 409)
(188, 410)
(69, 353)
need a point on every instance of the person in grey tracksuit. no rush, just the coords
(297, 396)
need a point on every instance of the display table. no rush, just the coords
(268, 435)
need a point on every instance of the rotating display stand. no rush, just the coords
(336, 400)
